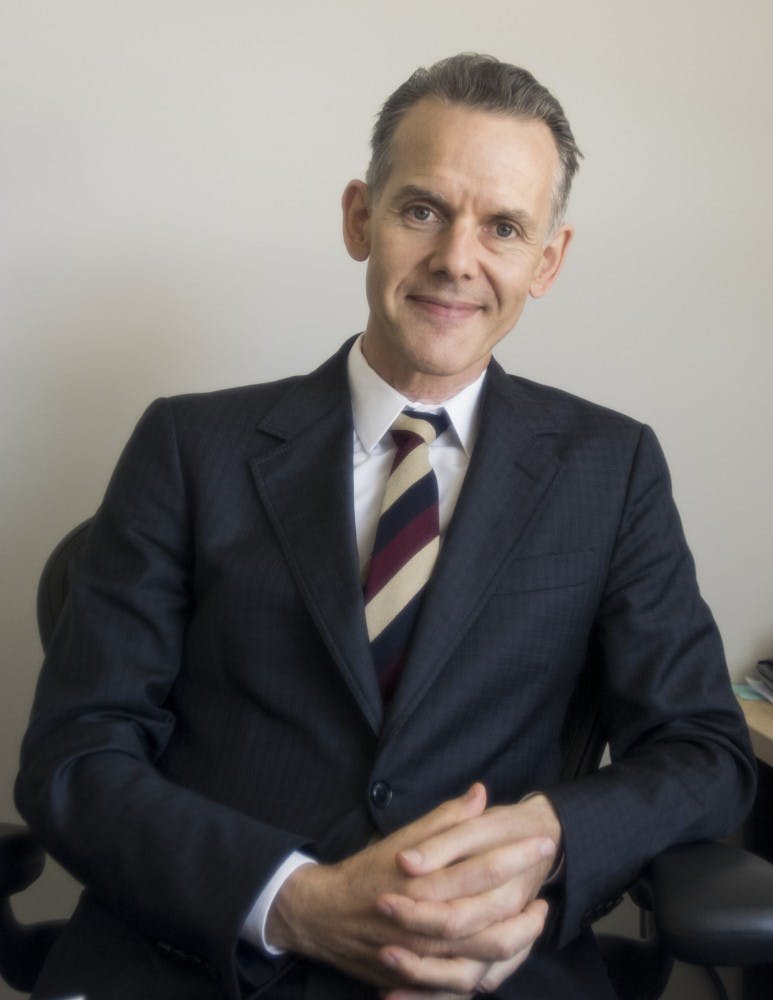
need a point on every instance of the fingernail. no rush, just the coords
(388, 959)
(472, 792)
(385, 908)
(413, 857)
(547, 848)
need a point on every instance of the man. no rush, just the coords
(294, 750)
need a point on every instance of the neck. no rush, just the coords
(420, 386)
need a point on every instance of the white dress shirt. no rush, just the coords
(375, 407)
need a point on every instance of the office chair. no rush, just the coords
(705, 904)
(23, 949)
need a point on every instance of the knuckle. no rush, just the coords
(452, 925)
(470, 980)
(522, 901)
(488, 982)
(436, 947)
(502, 950)
(420, 946)
(512, 942)
(495, 873)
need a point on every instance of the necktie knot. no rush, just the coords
(426, 426)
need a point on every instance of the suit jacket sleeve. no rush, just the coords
(681, 764)
(179, 864)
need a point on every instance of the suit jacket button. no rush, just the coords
(380, 794)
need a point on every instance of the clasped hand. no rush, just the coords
(443, 907)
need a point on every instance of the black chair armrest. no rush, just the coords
(21, 859)
(22, 949)
(713, 904)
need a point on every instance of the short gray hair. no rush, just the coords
(477, 81)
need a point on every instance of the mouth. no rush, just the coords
(444, 308)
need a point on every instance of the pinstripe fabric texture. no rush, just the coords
(406, 547)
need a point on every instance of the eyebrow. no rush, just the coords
(409, 191)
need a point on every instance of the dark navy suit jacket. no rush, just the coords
(209, 702)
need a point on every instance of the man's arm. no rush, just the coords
(173, 861)
(682, 766)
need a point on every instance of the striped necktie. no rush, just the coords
(406, 547)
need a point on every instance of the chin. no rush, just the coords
(440, 367)
(444, 359)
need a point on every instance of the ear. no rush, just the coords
(355, 203)
(550, 264)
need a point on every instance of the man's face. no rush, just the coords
(455, 242)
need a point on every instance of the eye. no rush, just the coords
(419, 213)
(505, 230)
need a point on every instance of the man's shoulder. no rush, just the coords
(586, 436)
(566, 410)
(221, 420)
(248, 404)
(237, 400)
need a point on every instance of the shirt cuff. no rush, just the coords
(254, 927)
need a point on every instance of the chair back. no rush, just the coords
(54, 580)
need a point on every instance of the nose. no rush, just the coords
(455, 255)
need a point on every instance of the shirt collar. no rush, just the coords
(376, 404)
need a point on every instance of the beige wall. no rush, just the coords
(169, 182)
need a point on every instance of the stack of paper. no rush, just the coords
(761, 679)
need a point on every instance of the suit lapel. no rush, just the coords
(304, 477)
(512, 467)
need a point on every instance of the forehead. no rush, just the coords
(473, 151)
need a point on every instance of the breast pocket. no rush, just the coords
(545, 571)
(540, 611)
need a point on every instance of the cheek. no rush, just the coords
(387, 270)
(374, 282)
(512, 288)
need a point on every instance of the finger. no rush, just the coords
(445, 817)
(466, 896)
(491, 957)
(473, 836)
(442, 818)
(496, 943)
(457, 975)
(500, 942)
(498, 972)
